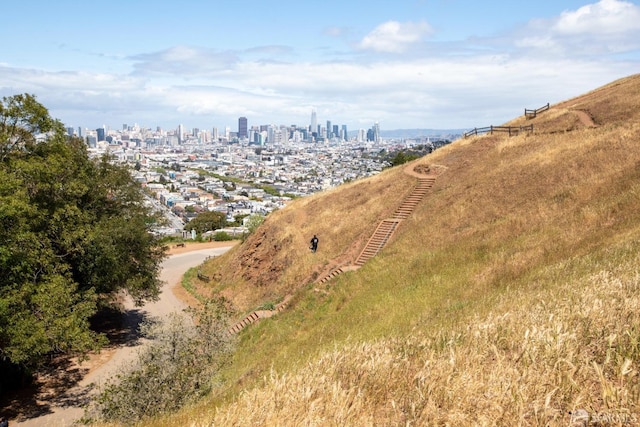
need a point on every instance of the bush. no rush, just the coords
(178, 366)
(222, 236)
(254, 221)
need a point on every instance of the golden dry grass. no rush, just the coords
(529, 361)
(509, 297)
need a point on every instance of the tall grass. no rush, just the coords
(533, 358)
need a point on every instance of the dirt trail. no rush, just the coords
(585, 118)
(61, 410)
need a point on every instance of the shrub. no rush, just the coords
(178, 366)
(222, 236)
(254, 222)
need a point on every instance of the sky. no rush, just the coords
(438, 64)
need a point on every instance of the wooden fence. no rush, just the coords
(530, 114)
(512, 130)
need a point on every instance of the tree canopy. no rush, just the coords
(73, 231)
(207, 221)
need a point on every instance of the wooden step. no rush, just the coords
(331, 275)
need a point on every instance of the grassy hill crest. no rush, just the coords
(509, 297)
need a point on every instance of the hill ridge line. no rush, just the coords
(384, 231)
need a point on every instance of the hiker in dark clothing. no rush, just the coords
(314, 243)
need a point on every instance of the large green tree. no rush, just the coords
(207, 221)
(73, 231)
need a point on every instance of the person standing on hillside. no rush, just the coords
(314, 243)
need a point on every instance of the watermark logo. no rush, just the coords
(583, 418)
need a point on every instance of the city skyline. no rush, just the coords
(405, 64)
(242, 128)
(256, 133)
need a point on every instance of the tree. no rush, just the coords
(254, 221)
(401, 158)
(73, 232)
(207, 221)
(21, 119)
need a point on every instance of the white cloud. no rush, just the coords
(538, 42)
(605, 27)
(184, 61)
(446, 92)
(604, 17)
(395, 37)
(336, 31)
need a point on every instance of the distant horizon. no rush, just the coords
(387, 133)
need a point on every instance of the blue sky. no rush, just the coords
(403, 63)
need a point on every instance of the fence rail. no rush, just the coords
(530, 114)
(512, 130)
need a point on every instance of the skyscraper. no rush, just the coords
(314, 121)
(242, 128)
(376, 132)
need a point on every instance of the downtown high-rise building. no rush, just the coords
(314, 121)
(373, 134)
(180, 134)
(242, 128)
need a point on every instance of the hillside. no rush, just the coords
(509, 296)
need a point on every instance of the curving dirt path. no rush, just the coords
(64, 409)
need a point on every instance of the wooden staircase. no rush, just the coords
(387, 227)
(376, 242)
(337, 272)
(254, 316)
(409, 204)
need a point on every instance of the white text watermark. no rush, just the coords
(583, 418)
